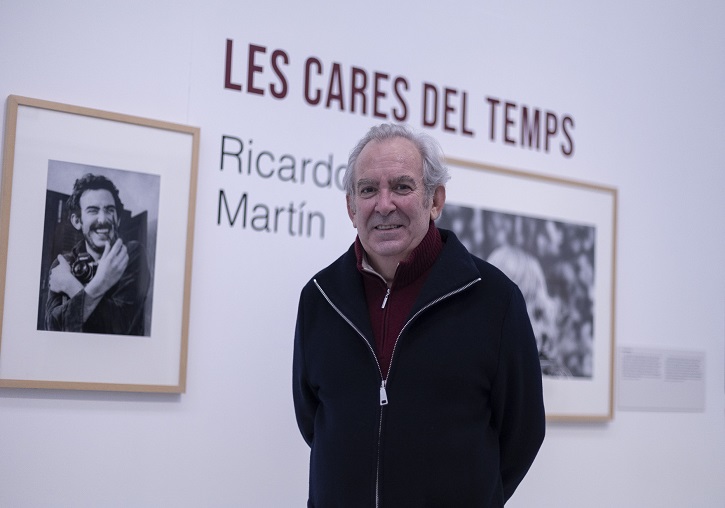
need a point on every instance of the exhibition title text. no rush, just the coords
(264, 71)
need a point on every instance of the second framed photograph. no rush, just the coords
(556, 239)
(97, 230)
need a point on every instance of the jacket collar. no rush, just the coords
(454, 268)
(418, 262)
(343, 283)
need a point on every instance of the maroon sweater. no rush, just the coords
(389, 309)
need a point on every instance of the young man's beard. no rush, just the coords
(111, 236)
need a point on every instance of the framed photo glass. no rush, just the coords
(96, 223)
(556, 239)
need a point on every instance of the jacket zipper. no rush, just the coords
(384, 380)
(385, 299)
(412, 318)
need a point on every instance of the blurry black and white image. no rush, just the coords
(99, 244)
(552, 262)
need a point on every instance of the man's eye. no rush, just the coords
(366, 190)
(402, 188)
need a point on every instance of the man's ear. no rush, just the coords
(439, 199)
(75, 221)
(350, 209)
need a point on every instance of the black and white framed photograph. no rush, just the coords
(556, 239)
(92, 201)
(88, 209)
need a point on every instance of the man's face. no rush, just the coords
(98, 220)
(389, 208)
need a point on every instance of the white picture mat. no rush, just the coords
(509, 192)
(30, 354)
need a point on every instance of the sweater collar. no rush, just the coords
(418, 262)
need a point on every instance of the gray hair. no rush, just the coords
(435, 171)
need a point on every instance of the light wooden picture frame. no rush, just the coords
(556, 238)
(153, 166)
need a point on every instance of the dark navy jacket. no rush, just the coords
(465, 415)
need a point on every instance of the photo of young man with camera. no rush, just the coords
(101, 285)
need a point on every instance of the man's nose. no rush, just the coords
(103, 216)
(385, 204)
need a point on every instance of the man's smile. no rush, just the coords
(102, 230)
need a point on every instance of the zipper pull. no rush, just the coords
(385, 300)
(383, 394)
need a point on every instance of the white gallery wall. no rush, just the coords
(643, 85)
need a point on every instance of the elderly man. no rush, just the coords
(416, 377)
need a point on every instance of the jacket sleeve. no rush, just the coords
(305, 398)
(518, 406)
(121, 309)
(63, 312)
